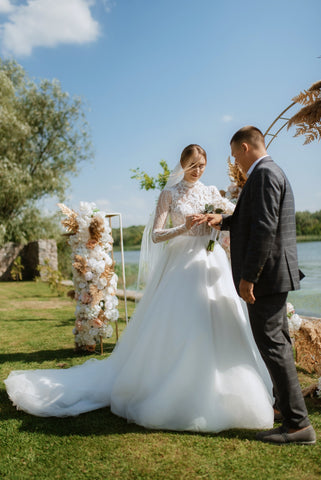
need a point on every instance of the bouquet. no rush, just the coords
(209, 208)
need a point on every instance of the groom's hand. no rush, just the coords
(214, 220)
(246, 291)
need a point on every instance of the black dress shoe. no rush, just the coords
(281, 435)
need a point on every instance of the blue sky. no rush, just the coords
(158, 75)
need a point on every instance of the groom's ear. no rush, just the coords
(245, 147)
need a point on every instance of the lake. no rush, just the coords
(306, 301)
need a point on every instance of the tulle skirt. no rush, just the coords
(186, 361)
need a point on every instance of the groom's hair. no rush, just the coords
(248, 134)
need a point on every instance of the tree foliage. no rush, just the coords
(146, 182)
(132, 236)
(43, 138)
(308, 223)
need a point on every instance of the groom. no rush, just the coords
(265, 268)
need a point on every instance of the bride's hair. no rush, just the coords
(192, 150)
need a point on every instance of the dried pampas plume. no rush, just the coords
(308, 119)
(96, 294)
(70, 223)
(236, 174)
(96, 228)
(80, 264)
(108, 272)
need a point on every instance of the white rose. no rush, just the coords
(112, 315)
(295, 322)
(88, 276)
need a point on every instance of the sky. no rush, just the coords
(156, 76)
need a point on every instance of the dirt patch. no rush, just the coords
(36, 304)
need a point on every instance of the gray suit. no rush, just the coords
(263, 251)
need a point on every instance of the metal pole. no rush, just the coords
(123, 264)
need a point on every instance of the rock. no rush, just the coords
(32, 255)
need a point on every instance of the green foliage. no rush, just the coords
(132, 236)
(308, 223)
(146, 182)
(31, 225)
(16, 269)
(131, 274)
(43, 138)
(52, 277)
(64, 257)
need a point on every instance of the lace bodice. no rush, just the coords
(185, 199)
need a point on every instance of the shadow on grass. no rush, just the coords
(47, 355)
(100, 422)
(104, 422)
(62, 323)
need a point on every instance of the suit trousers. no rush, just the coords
(268, 318)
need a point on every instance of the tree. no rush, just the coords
(43, 138)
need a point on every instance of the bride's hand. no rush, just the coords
(189, 222)
(198, 219)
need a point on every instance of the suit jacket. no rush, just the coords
(263, 232)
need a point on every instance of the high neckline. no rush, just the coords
(187, 184)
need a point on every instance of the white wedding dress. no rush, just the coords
(187, 360)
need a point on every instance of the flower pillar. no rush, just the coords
(95, 281)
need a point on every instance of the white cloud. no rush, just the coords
(47, 23)
(227, 118)
(5, 6)
(108, 5)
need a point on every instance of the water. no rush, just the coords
(306, 301)
(131, 256)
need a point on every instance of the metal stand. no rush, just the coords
(110, 216)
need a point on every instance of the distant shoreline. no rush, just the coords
(308, 238)
(299, 239)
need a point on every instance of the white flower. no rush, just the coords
(295, 322)
(87, 208)
(88, 276)
(112, 315)
(100, 267)
(111, 290)
(106, 331)
(101, 284)
(290, 308)
(319, 388)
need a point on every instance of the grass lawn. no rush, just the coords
(36, 333)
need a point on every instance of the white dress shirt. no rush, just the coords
(250, 170)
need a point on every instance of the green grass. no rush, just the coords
(36, 333)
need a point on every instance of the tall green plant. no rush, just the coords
(17, 269)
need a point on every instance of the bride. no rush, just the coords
(187, 360)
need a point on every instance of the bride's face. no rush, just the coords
(194, 169)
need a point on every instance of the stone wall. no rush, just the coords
(32, 255)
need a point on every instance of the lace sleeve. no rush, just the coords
(161, 234)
